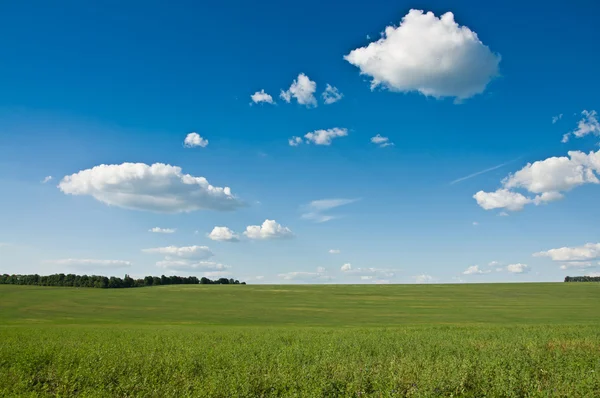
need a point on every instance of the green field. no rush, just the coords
(473, 340)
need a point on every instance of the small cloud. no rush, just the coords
(315, 209)
(381, 141)
(556, 118)
(193, 140)
(295, 141)
(324, 137)
(259, 278)
(346, 267)
(503, 214)
(223, 234)
(587, 125)
(320, 275)
(475, 223)
(331, 95)
(269, 229)
(190, 266)
(517, 268)
(424, 278)
(303, 90)
(158, 230)
(87, 263)
(494, 263)
(334, 251)
(474, 270)
(261, 96)
(581, 265)
(46, 179)
(188, 252)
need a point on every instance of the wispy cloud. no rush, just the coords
(315, 210)
(46, 179)
(482, 172)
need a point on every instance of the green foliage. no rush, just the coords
(521, 340)
(582, 278)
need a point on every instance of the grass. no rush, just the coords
(501, 340)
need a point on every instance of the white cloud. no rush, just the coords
(474, 270)
(556, 118)
(91, 263)
(158, 230)
(367, 272)
(315, 209)
(503, 214)
(159, 187)
(303, 89)
(346, 267)
(223, 234)
(593, 274)
(381, 141)
(324, 137)
(577, 265)
(587, 125)
(434, 56)
(475, 223)
(46, 179)
(306, 276)
(481, 172)
(217, 274)
(546, 178)
(193, 140)
(494, 263)
(587, 252)
(334, 251)
(269, 229)
(331, 95)
(261, 96)
(188, 252)
(295, 141)
(189, 266)
(517, 268)
(424, 278)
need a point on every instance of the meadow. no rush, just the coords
(475, 340)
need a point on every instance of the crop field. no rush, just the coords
(474, 340)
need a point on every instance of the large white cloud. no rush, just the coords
(190, 266)
(548, 179)
(269, 229)
(193, 140)
(431, 55)
(303, 90)
(589, 251)
(261, 96)
(159, 188)
(223, 234)
(187, 252)
(587, 125)
(91, 263)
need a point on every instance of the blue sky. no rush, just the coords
(107, 83)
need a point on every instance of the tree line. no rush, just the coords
(582, 278)
(113, 282)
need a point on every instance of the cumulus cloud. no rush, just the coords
(91, 263)
(431, 55)
(295, 141)
(324, 137)
(381, 141)
(581, 265)
(367, 272)
(475, 270)
(159, 188)
(303, 90)
(548, 179)
(331, 95)
(517, 268)
(190, 266)
(556, 118)
(269, 229)
(334, 251)
(261, 96)
(424, 278)
(46, 179)
(587, 125)
(187, 252)
(315, 210)
(158, 230)
(587, 252)
(223, 234)
(193, 140)
(346, 267)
